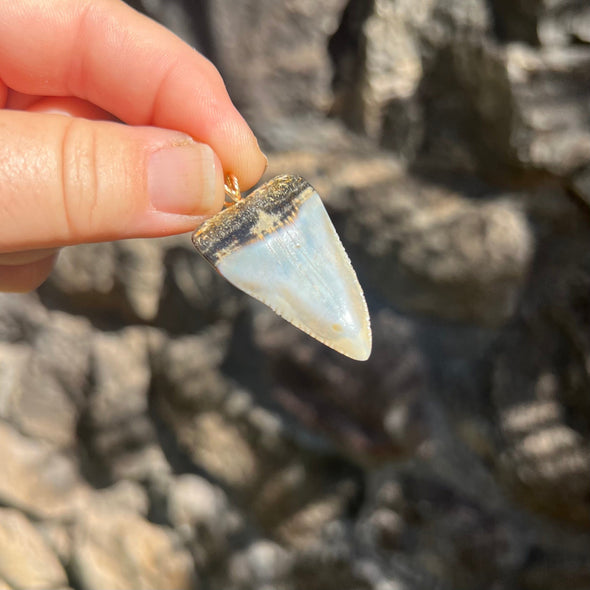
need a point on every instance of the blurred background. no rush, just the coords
(160, 430)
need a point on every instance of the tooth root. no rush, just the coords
(279, 246)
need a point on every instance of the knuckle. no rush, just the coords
(79, 177)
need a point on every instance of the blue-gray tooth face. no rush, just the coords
(279, 246)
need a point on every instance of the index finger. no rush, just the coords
(107, 53)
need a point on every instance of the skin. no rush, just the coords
(89, 89)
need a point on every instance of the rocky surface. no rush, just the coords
(158, 429)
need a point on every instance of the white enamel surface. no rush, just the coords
(303, 273)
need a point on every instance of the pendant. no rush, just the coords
(279, 246)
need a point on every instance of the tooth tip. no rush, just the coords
(363, 354)
(359, 348)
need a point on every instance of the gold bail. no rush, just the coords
(232, 190)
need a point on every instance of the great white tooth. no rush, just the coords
(279, 246)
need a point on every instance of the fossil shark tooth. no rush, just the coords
(279, 246)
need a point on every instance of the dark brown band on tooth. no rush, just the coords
(268, 208)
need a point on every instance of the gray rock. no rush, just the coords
(194, 295)
(526, 104)
(204, 518)
(431, 251)
(540, 393)
(580, 184)
(125, 495)
(173, 15)
(125, 278)
(248, 450)
(89, 268)
(58, 536)
(331, 401)
(44, 382)
(193, 501)
(36, 479)
(117, 428)
(25, 559)
(156, 423)
(21, 317)
(262, 564)
(187, 369)
(449, 531)
(14, 359)
(546, 22)
(432, 84)
(293, 78)
(140, 269)
(393, 87)
(115, 548)
(121, 377)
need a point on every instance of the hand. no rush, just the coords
(110, 128)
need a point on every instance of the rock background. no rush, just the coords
(159, 429)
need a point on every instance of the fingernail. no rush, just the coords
(182, 179)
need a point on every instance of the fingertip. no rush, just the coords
(254, 167)
(210, 117)
(218, 192)
(247, 162)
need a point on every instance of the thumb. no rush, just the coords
(67, 180)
